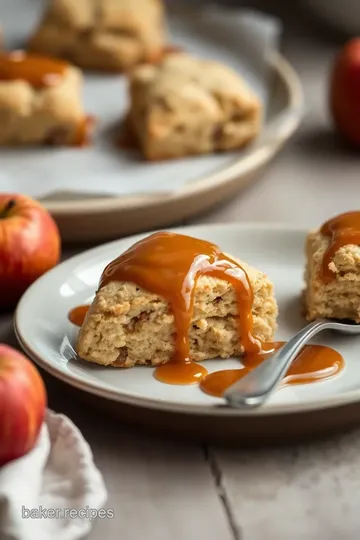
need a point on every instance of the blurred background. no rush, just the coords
(314, 165)
(315, 172)
(343, 16)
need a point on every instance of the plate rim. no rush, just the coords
(287, 122)
(92, 388)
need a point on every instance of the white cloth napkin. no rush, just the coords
(55, 491)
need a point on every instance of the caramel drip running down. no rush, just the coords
(314, 363)
(39, 71)
(169, 265)
(77, 314)
(342, 230)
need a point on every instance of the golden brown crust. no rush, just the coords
(127, 325)
(185, 106)
(110, 35)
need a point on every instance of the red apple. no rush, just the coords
(345, 92)
(22, 404)
(29, 245)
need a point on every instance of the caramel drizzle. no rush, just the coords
(169, 265)
(342, 230)
(77, 314)
(39, 71)
(314, 363)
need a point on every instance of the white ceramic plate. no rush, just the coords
(46, 335)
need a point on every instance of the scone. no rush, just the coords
(111, 35)
(40, 101)
(333, 271)
(128, 325)
(185, 105)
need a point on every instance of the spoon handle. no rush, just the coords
(256, 387)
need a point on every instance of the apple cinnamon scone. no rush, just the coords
(40, 101)
(128, 324)
(333, 269)
(185, 105)
(110, 35)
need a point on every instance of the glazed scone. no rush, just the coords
(185, 105)
(40, 101)
(110, 35)
(340, 297)
(126, 325)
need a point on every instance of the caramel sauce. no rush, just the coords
(343, 229)
(314, 363)
(181, 373)
(169, 265)
(77, 314)
(39, 71)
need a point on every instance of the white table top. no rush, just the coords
(160, 489)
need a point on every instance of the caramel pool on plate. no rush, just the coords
(77, 314)
(314, 363)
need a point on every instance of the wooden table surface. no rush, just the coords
(161, 489)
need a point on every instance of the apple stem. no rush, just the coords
(8, 206)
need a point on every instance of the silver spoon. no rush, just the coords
(255, 388)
